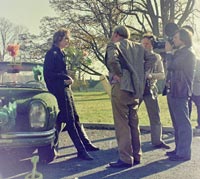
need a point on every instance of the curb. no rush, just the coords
(196, 132)
(112, 127)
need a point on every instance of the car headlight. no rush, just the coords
(37, 114)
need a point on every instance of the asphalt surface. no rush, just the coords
(155, 165)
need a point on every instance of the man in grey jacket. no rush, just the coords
(151, 93)
(127, 63)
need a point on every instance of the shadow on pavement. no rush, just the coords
(136, 172)
(16, 166)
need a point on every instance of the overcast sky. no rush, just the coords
(26, 12)
(29, 12)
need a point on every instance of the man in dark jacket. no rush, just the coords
(180, 67)
(57, 79)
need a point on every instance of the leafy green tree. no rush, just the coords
(91, 24)
(79, 60)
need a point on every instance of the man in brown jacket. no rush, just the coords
(127, 63)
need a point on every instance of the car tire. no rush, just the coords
(46, 154)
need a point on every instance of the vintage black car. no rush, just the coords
(27, 110)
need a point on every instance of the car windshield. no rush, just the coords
(25, 79)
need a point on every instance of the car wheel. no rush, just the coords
(46, 154)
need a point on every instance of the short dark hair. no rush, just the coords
(185, 36)
(122, 31)
(59, 35)
(149, 37)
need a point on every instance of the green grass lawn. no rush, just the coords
(95, 107)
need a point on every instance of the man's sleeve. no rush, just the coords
(49, 68)
(159, 73)
(112, 61)
(149, 60)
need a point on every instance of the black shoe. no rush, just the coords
(84, 155)
(173, 152)
(120, 164)
(91, 147)
(136, 162)
(162, 145)
(178, 158)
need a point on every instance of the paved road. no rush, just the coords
(155, 164)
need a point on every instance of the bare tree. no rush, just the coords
(32, 47)
(8, 35)
(92, 21)
(153, 15)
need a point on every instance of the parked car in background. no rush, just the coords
(27, 110)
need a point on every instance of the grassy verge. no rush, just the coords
(95, 107)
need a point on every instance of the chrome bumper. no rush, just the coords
(27, 139)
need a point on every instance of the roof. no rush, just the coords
(18, 66)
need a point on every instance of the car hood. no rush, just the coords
(23, 98)
(13, 94)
